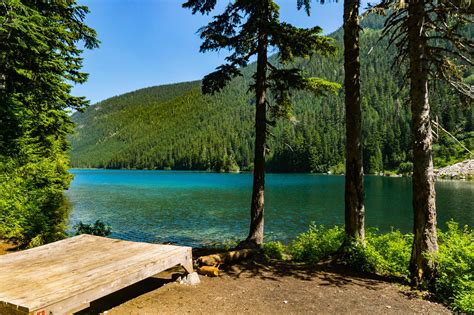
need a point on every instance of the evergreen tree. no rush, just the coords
(354, 175)
(354, 181)
(250, 28)
(40, 58)
(429, 34)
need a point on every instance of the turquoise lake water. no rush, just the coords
(197, 208)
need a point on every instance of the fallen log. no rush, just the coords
(225, 258)
(209, 271)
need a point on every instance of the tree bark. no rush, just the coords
(424, 207)
(255, 237)
(354, 185)
(3, 38)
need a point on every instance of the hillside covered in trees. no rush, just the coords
(176, 127)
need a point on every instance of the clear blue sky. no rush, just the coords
(154, 42)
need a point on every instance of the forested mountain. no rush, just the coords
(174, 126)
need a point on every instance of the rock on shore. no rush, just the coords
(461, 170)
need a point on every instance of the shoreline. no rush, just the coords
(438, 175)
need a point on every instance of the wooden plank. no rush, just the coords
(67, 275)
(111, 286)
(63, 283)
(63, 287)
(70, 268)
(25, 274)
(61, 252)
(28, 274)
(44, 250)
(90, 263)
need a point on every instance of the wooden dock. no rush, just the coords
(65, 276)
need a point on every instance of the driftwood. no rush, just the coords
(209, 271)
(225, 258)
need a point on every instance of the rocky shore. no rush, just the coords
(461, 170)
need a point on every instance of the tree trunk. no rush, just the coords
(354, 186)
(424, 207)
(255, 237)
(3, 38)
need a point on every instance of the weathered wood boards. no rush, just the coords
(65, 276)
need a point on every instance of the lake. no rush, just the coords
(199, 208)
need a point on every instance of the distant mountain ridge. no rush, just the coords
(175, 127)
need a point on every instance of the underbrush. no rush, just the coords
(274, 250)
(455, 267)
(389, 254)
(33, 208)
(316, 244)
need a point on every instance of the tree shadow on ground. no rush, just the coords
(133, 291)
(122, 296)
(325, 273)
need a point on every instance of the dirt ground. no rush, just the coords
(269, 288)
(6, 247)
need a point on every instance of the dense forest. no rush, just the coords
(39, 61)
(152, 128)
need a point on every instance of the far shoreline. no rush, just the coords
(390, 175)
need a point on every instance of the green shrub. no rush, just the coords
(454, 282)
(316, 244)
(98, 228)
(33, 209)
(405, 168)
(273, 250)
(36, 241)
(227, 245)
(387, 254)
(391, 251)
(337, 169)
(361, 258)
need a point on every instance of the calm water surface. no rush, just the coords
(194, 208)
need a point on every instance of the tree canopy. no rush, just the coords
(40, 53)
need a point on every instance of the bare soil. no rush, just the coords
(269, 288)
(7, 247)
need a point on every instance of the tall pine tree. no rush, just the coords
(354, 180)
(354, 184)
(250, 28)
(430, 41)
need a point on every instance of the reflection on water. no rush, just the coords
(194, 208)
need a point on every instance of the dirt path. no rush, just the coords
(6, 247)
(268, 289)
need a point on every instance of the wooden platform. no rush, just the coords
(65, 276)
